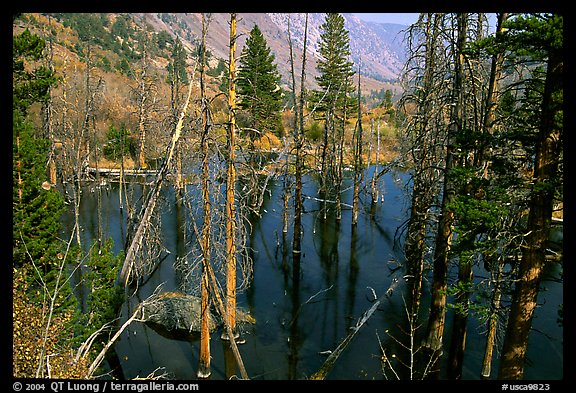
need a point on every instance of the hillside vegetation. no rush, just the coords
(113, 45)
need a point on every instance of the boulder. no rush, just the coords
(176, 312)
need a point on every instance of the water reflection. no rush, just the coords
(303, 307)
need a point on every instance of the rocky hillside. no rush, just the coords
(379, 46)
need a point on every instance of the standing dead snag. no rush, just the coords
(488, 127)
(230, 189)
(204, 361)
(357, 159)
(299, 134)
(136, 244)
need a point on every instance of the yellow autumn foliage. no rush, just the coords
(33, 342)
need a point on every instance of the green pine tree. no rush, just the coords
(176, 68)
(258, 89)
(334, 65)
(36, 207)
(29, 85)
(335, 100)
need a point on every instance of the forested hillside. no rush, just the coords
(163, 162)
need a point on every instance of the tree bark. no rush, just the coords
(296, 247)
(423, 154)
(142, 115)
(492, 323)
(491, 105)
(357, 161)
(458, 341)
(137, 239)
(204, 361)
(546, 163)
(230, 188)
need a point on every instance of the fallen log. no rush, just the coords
(329, 362)
(149, 207)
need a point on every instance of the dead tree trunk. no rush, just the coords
(230, 188)
(329, 363)
(458, 342)
(425, 131)
(357, 160)
(287, 189)
(492, 322)
(48, 115)
(148, 208)
(142, 114)
(296, 247)
(488, 124)
(204, 361)
(546, 163)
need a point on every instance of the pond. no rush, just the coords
(301, 315)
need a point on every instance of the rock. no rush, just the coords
(177, 312)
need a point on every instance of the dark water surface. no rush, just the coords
(301, 315)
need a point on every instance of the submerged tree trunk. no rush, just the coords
(492, 322)
(458, 341)
(296, 247)
(425, 133)
(357, 160)
(230, 188)
(488, 125)
(204, 358)
(148, 208)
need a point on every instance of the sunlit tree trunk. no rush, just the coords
(323, 189)
(146, 101)
(491, 104)
(48, 116)
(373, 188)
(296, 247)
(339, 150)
(204, 361)
(492, 322)
(230, 187)
(142, 115)
(546, 162)
(287, 188)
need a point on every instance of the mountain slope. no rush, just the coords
(377, 45)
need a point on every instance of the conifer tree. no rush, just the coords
(258, 89)
(36, 208)
(537, 37)
(334, 65)
(335, 81)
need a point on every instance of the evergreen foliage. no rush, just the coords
(104, 298)
(29, 86)
(177, 66)
(258, 85)
(119, 144)
(334, 65)
(47, 324)
(36, 210)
